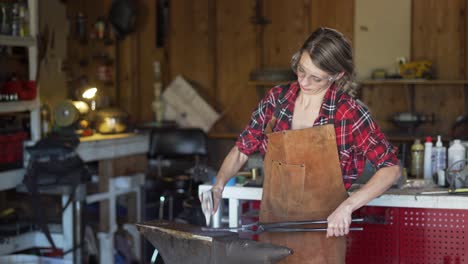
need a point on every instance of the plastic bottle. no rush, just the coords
(439, 160)
(417, 159)
(428, 161)
(456, 152)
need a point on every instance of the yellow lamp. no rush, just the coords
(89, 95)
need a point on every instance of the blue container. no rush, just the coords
(231, 182)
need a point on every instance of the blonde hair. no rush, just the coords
(331, 52)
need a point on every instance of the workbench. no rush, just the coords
(420, 228)
(122, 166)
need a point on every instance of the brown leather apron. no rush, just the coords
(303, 182)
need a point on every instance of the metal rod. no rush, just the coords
(280, 229)
(293, 223)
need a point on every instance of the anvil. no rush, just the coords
(185, 243)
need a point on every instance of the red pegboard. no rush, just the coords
(411, 235)
(433, 236)
(407, 235)
(378, 243)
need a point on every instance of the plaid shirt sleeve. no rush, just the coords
(253, 139)
(370, 140)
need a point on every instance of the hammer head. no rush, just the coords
(184, 243)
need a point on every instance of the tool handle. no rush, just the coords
(209, 229)
(280, 229)
(294, 223)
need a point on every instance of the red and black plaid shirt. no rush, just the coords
(357, 134)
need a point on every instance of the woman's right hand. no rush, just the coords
(231, 165)
(217, 194)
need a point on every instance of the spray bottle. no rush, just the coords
(439, 161)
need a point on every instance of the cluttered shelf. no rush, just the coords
(378, 82)
(395, 138)
(413, 82)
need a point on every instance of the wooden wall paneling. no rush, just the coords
(439, 35)
(236, 59)
(127, 72)
(287, 31)
(147, 55)
(465, 37)
(383, 102)
(191, 46)
(338, 14)
(74, 48)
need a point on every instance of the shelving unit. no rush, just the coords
(9, 178)
(412, 83)
(17, 41)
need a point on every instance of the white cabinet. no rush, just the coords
(9, 179)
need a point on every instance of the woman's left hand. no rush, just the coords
(339, 221)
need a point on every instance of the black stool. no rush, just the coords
(172, 153)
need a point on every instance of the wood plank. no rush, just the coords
(282, 40)
(385, 100)
(147, 55)
(106, 171)
(439, 35)
(128, 68)
(192, 48)
(415, 82)
(236, 59)
(338, 14)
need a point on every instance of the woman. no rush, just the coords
(316, 139)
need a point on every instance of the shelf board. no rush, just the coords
(11, 178)
(268, 83)
(17, 41)
(377, 82)
(235, 135)
(413, 82)
(223, 135)
(18, 106)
